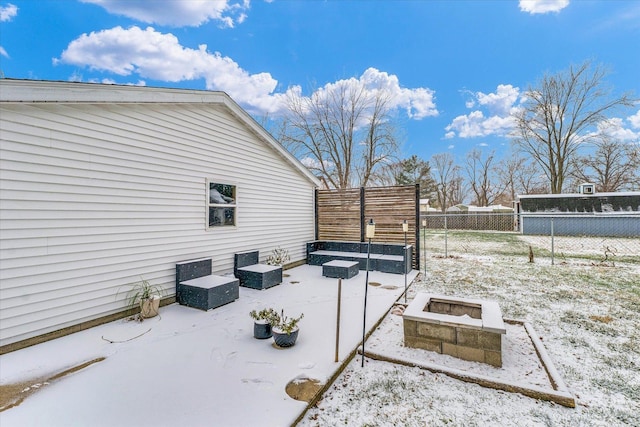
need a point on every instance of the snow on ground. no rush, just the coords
(599, 246)
(193, 368)
(586, 313)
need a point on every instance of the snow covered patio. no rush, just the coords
(189, 367)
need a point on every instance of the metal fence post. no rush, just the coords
(338, 320)
(446, 255)
(552, 244)
(424, 244)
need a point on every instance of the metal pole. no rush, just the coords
(424, 245)
(552, 244)
(446, 255)
(405, 267)
(366, 286)
(338, 320)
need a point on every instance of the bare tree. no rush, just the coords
(558, 114)
(342, 132)
(481, 173)
(613, 166)
(517, 175)
(387, 174)
(507, 170)
(457, 190)
(447, 179)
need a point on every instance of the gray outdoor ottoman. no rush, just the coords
(340, 269)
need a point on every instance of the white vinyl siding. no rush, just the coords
(94, 196)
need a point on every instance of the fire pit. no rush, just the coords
(468, 329)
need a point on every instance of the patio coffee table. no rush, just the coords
(340, 269)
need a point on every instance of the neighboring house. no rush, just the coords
(473, 209)
(584, 213)
(490, 209)
(457, 209)
(426, 208)
(101, 185)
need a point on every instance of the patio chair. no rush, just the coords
(196, 287)
(252, 274)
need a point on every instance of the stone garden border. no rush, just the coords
(560, 393)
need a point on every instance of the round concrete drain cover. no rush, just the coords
(303, 388)
(375, 284)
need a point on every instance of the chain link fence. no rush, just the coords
(610, 237)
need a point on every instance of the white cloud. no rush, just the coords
(418, 103)
(634, 120)
(159, 56)
(614, 128)
(467, 126)
(8, 12)
(500, 102)
(543, 6)
(499, 106)
(178, 13)
(315, 164)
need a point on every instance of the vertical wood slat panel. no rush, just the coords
(389, 207)
(339, 215)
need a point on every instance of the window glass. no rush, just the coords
(222, 204)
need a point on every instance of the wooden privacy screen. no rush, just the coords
(341, 215)
(338, 215)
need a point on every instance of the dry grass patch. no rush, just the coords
(604, 319)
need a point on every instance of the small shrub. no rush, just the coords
(279, 256)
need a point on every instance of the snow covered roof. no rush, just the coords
(491, 208)
(581, 195)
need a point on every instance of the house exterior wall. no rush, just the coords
(609, 225)
(95, 196)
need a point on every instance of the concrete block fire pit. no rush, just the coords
(469, 329)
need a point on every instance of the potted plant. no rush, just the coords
(145, 295)
(285, 331)
(263, 320)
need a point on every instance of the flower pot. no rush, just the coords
(261, 330)
(283, 339)
(149, 307)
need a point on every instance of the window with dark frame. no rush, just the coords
(222, 205)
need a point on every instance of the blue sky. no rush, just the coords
(457, 68)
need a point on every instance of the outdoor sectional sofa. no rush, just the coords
(385, 257)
